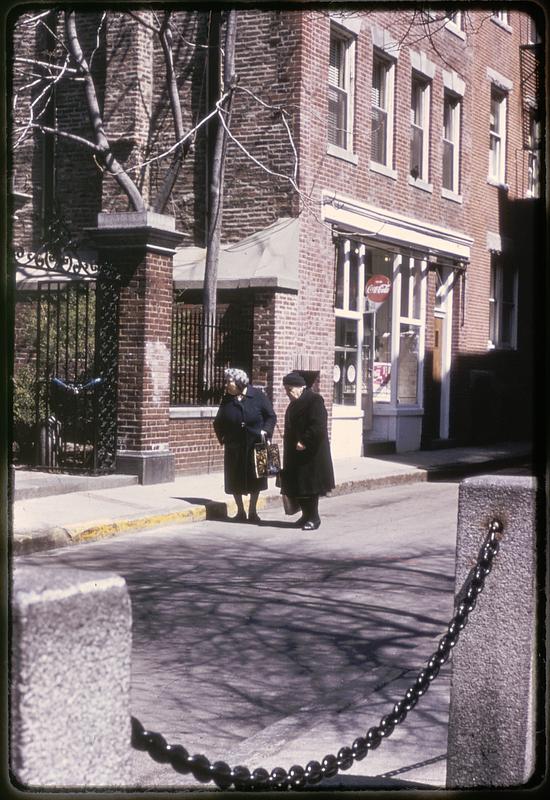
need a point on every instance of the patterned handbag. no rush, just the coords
(267, 459)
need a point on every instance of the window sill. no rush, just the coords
(193, 412)
(345, 155)
(499, 184)
(418, 183)
(501, 24)
(383, 169)
(455, 30)
(449, 195)
(502, 347)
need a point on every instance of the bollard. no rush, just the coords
(492, 708)
(70, 678)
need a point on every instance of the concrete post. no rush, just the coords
(492, 708)
(142, 246)
(70, 678)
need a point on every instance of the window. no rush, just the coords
(533, 36)
(420, 131)
(502, 304)
(350, 271)
(455, 22)
(410, 328)
(502, 16)
(382, 110)
(533, 154)
(340, 90)
(497, 136)
(451, 142)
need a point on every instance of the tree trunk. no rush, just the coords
(215, 205)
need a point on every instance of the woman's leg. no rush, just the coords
(241, 513)
(252, 513)
(310, 512)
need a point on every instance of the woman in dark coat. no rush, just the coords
(244, 416)
(307, 462)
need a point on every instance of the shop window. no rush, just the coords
(503, 304)
(420, 127)
(382, 110)
(451, 142)
(497, 136)
(340, 89)
(410, 328)
(348, 303)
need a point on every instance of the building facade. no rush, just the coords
(382, 208)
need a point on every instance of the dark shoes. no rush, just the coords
(310, 525)
(254, 518)
(240, 516)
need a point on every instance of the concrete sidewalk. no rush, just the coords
(57, 510)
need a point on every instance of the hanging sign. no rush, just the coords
(377, 291)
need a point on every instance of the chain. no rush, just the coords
(298, 777)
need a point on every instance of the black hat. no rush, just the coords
(294, 379)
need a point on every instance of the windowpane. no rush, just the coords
(336, 70)
(353, 276)
(379, 136)
(448, 163)
(337, 117)
(345, 362)
(407, 390)
(416, 152)
(339, 299)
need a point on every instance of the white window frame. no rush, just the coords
(344, 312)
(533, 155)
(348, 89)
(497, 137)
(455, 23)
(455, 102)
(424, 84)
(497, 302)
(402, 262)
(502, 18)
(388, 66)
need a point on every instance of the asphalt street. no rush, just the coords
(265, 645)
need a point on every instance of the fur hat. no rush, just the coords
(238, 375)
(294, 379)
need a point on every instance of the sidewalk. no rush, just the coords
(57, 510)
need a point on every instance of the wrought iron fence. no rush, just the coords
(202, 349)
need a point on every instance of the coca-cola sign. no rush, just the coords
(377, 289)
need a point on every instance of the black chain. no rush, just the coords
(298, 777)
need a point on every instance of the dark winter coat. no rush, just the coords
(238, 425)
(306, 472)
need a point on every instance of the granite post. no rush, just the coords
(70, 678)
(491, 739)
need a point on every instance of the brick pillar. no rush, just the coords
(142, 246)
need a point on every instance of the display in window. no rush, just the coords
(381, 377)
(407, 392)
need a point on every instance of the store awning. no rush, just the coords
(266, 259)
(383, 226)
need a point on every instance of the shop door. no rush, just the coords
(437, 373)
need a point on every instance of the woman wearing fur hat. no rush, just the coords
(307, 463)
(244, 415)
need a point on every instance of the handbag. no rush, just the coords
(290, 504)
(267, 459)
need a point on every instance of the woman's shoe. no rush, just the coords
(310, 525)
(254, 518)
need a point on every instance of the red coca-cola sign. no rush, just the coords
(378, 289)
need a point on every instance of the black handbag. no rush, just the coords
(267, 459)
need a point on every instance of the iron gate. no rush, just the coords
(73, 306)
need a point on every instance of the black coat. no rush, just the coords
(306, 472)
(238, 425)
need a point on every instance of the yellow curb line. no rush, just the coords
(101, 529)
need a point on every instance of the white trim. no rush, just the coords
(448, 195)
(505, 84)
(349, 40)
(345, 155)
(193, 412)
(392, 227)
(501, 24)
(498, 177)
(453, 82)
(418, 183)
(382, 169)
(385, 41)
(389, 108)
(455, 112)
(452, 27)
(422, 64)
(350, 22)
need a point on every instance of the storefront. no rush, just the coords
(380, 307)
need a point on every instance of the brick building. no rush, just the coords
(400, 276)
